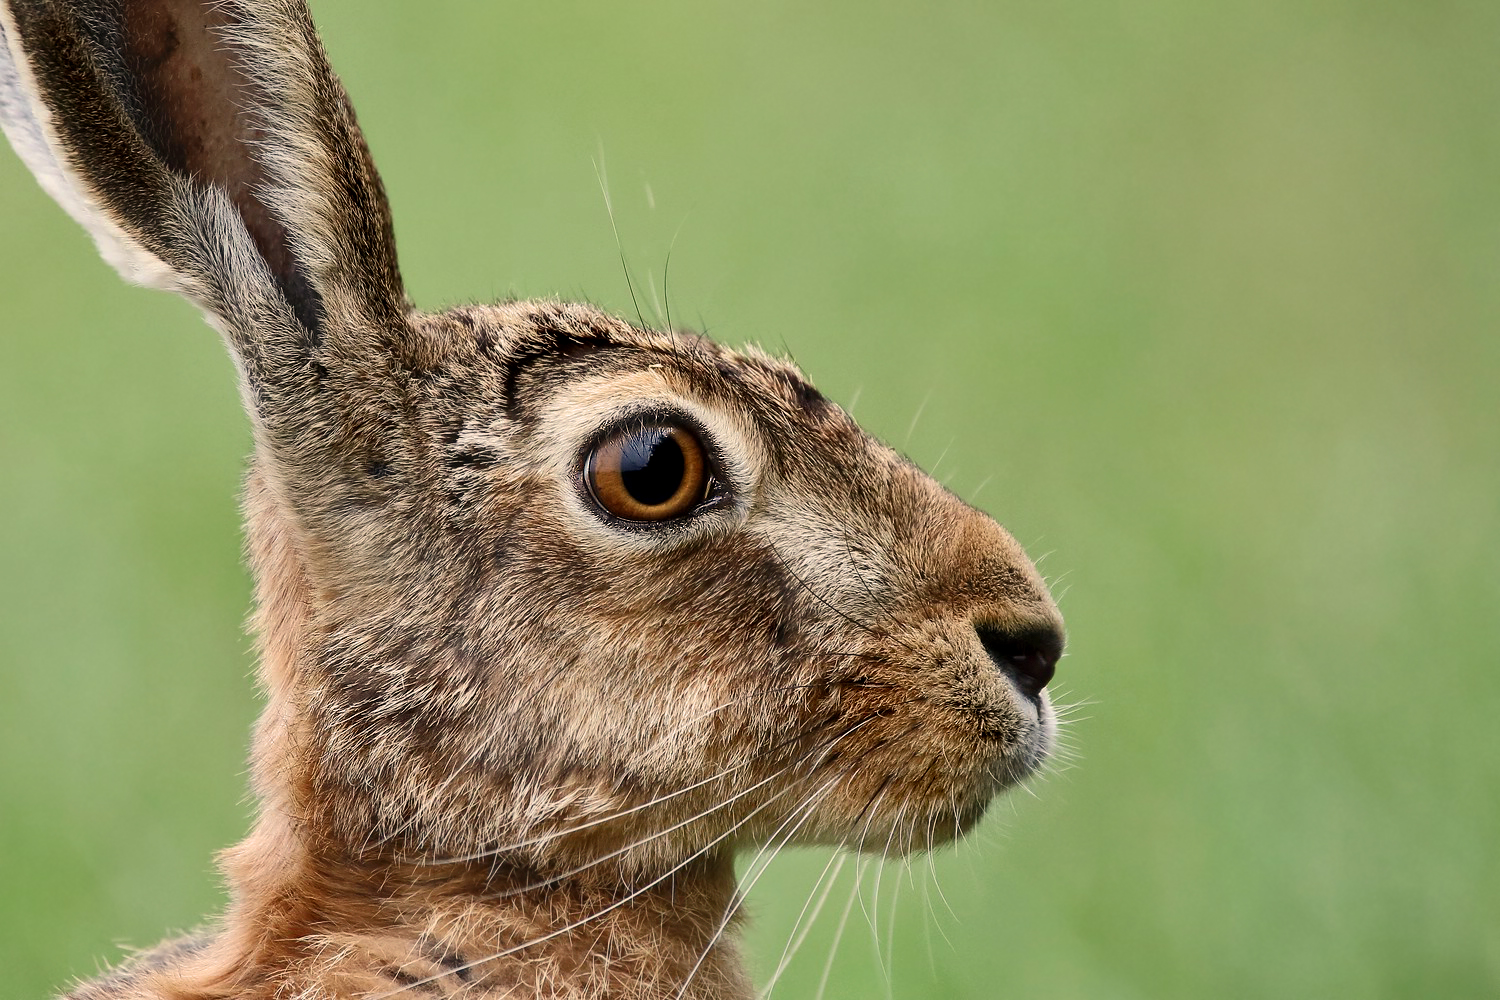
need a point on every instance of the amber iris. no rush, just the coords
(648, 473)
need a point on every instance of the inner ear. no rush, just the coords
(194, 105)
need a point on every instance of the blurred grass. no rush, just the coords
(1202, 300)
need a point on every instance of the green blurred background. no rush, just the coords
(1201, 299)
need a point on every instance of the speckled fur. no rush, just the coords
(511, 746)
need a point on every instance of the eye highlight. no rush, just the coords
(648, 473)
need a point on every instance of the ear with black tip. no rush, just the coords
(209, 149)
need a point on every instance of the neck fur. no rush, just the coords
(310, 917)
(334, 927)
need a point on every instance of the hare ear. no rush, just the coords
(208, 148)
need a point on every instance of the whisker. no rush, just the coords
(941, 455)
(838, 934)
(655, 299)
(647, 839)
(928, 916)
(937, 919)
(937, 882)
(610, 208)
(874, 914)
(455, 970)
(807, 808)
(666, 271)
(589, 824)
(794, 942)
(890, 935)
(911, 428)
(543, 838)
(854, 565)
(862, 626)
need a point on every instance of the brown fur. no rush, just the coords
(511, 746)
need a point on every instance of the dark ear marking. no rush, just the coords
(141, 85)
(153, 102)
(192, 100)
(72, 74)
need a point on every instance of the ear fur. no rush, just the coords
(209, 150)
(28, 124)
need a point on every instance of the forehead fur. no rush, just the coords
(557, 372)
(527, 341)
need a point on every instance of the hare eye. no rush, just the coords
(649, 473)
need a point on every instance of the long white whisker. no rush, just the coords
(799, 931)
(543, 838)
(609, 207)
(555, 834)
(596, 914)
(928, 916)
(911, 428)
(650, 837)
(807, 808)
(874, 912)
(838, 934)
(890, 935)
(871, 808)
(936, 882)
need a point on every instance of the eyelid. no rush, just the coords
(661, 416)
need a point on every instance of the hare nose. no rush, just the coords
(1027, 655)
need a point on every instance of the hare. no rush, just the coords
(555, 614)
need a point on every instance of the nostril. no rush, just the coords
(1028, 655)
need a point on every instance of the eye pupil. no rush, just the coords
(652, 466)
(648, 473)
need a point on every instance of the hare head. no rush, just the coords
(545, 600)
